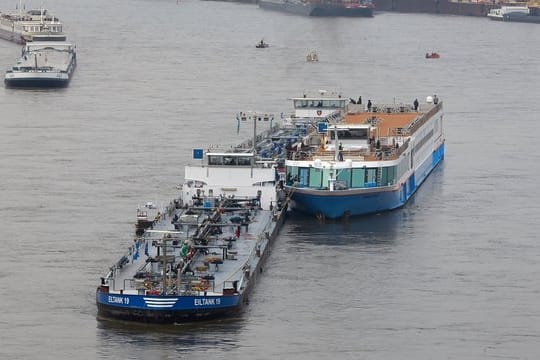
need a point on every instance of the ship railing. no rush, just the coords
(386, 108)
(248, 144)
(423, 118)
(384, 152)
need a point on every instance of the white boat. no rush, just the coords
(43, 64)
(501, 13)
(33, 25)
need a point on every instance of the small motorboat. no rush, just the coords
(432, 55)
(312, 57)
(261, 45)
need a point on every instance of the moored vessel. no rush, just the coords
(366, 159)
(513, 14)
(43, 64)
(32, 25)
(453, 7)
(201, 256)
(350, 8)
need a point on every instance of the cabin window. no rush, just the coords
(244, 161)
(388, 175)
(315, 178)
(292, 174)
(228, 160)
(350, 134)
(333, 103)
(325, 176)
(303, 177)
(300, 103)
(215, 160)
(358, 178)
(344, 176)
(371, 177)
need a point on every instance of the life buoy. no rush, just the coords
(319, 112)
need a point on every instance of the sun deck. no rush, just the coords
(391, 119)
(381, 134)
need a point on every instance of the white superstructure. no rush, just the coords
(43, 64)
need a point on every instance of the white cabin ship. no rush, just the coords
(33, 25)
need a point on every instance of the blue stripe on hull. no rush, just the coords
(167, 303)
(165, 309)
(340, 203)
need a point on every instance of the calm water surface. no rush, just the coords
(453, 275)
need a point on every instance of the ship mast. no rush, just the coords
(332, 175)
(242, 116)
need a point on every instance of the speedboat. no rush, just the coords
(432, 55)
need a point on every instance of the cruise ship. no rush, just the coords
(32, 25)
(362, 158)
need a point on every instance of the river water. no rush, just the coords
(452, 275)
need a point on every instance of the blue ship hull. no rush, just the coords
(339, 203)
(159, 309)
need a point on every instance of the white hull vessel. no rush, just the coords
(43, 64)
(500, 13)
(34, 25)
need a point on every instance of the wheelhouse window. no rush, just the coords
(229, 159)
(319, 103)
